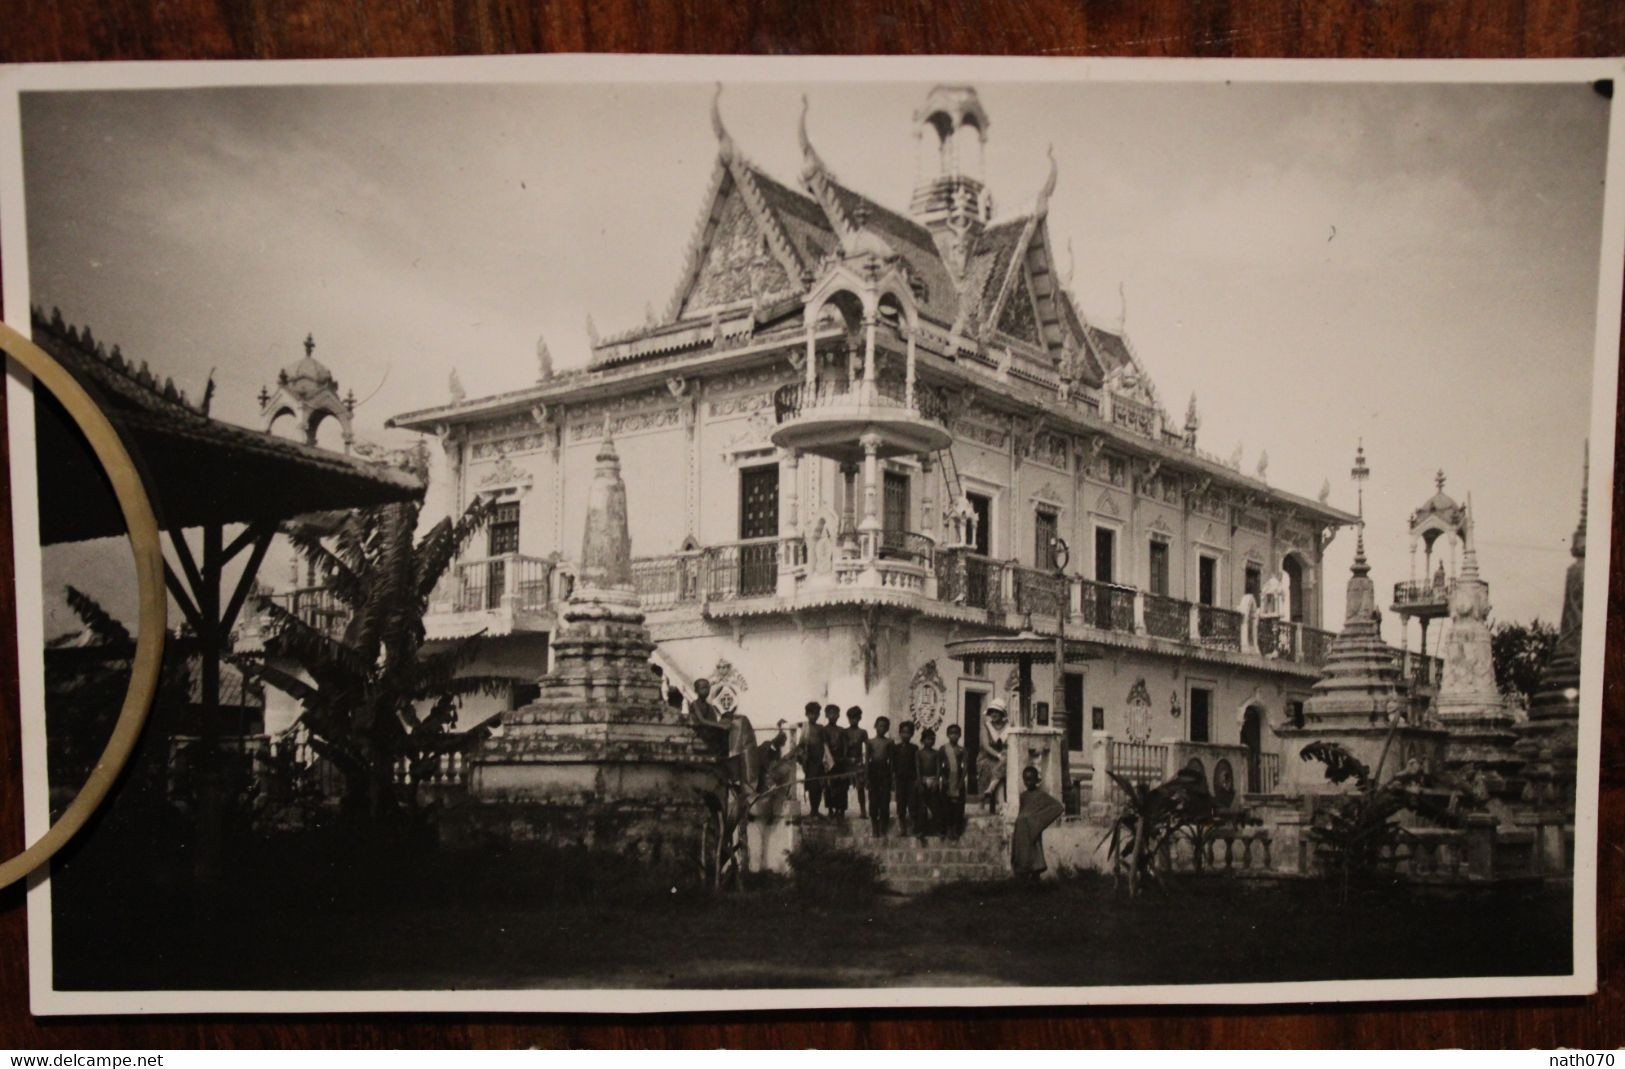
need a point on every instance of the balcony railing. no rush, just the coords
(1167, 617)
(907, 546)
(317, 607)
(742, 569)
(970, 579)
(1038, 592)
(796, 399)
(511, 580)
(1219, 627)
(1107, 606)
(1423, 593)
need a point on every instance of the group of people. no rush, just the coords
(928, 784)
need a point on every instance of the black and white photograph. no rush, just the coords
(653, 534)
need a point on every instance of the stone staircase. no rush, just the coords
(982, 853)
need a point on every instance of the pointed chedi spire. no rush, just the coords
(605, 576)
(1362, 683)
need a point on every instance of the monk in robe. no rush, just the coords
(1038, 810)
(730, 733)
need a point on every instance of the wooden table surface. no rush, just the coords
(65, 30)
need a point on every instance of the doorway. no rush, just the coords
(501, 540)
(1252, 737)
(1293, 567)
(1207, 580)
(971, 703)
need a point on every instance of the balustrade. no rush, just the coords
(1219, 627)
(1167, 617)
(1038, 592)
(317, 607)
(1106, 606)
(512, 580)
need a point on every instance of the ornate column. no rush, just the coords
(908, 373)
(791, 551)
(812, 358)
(928, 510)
(871, 482)
(868, 355)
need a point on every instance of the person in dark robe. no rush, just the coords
(814, 754)
(878, 764)
(836, 783)
(953, 785)
(905, 776)
(928, 788)
(857, 756)
(731, 735)
(1037, 811)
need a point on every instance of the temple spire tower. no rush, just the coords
(1469, 704)
(1438, 528)
(1550, 739)
(307, 392)
(1361, 698)
(951, 198)
(598, 750)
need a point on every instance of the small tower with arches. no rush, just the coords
(308, 392)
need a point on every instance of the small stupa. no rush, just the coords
(598, 759)
(1549, 740)
(1361, 701)
(1470, 705)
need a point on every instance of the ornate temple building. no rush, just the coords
(860, 432)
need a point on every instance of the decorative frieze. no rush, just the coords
(1252, 521)
(1110, 468)
(1209, 503)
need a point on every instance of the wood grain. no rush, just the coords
(79, 30)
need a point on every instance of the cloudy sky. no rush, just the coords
(1415, 265)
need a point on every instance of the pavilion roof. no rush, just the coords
(198, 470)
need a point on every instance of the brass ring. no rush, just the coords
(152, 618)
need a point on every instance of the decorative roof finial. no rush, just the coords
(592, 331)
(454, 386)
(1438, 481)
(310, 344)
(725, 144)
(544, 358)
(809, 154)
(1049, 183)
(1360, 473)
(1122, 306)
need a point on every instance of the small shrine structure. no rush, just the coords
(1362, 701)
(599, 759)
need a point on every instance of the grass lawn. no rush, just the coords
(412, 921)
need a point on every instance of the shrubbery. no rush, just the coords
(823, 871)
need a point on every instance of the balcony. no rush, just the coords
(843, 420)
(497, 595)
(317, 607)
(1424, 597)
